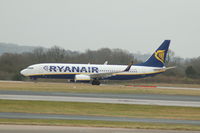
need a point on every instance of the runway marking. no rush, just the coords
(107, 95)
(102, 100)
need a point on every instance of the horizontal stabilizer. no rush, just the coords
(167, 68)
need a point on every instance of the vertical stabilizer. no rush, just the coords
(159, 56)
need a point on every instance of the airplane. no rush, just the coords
(95, 72)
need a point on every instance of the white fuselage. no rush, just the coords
(69, 71)
(94, 72)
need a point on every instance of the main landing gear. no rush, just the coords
(33, 79)
(96, 82)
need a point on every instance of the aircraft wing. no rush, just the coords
(101, 75)
(109, 74)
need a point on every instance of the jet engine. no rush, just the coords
(82, 78)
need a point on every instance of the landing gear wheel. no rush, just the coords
(72, 81)
(95, 82)
(33, 79)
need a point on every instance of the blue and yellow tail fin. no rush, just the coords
(159, 56)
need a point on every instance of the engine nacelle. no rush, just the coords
(82, 78)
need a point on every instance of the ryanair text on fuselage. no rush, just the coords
(75, 69)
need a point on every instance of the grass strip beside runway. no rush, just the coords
(100, 109)
(87, 123)
(87, 88)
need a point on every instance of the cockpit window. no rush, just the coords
(29, 67)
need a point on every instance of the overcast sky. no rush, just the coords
(133, 25)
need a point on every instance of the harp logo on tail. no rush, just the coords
(160, 55)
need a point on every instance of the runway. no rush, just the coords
(98, 118)
(107, 95)
(62, 129)
(143, 99)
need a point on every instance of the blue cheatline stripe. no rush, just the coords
(97, 73)
(119, 76)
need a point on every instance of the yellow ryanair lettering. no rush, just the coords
(160, 55)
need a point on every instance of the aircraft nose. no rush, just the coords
(22, 72)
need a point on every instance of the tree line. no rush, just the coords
(12, 63)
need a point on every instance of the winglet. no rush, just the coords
(128, 67)
(106, 63)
